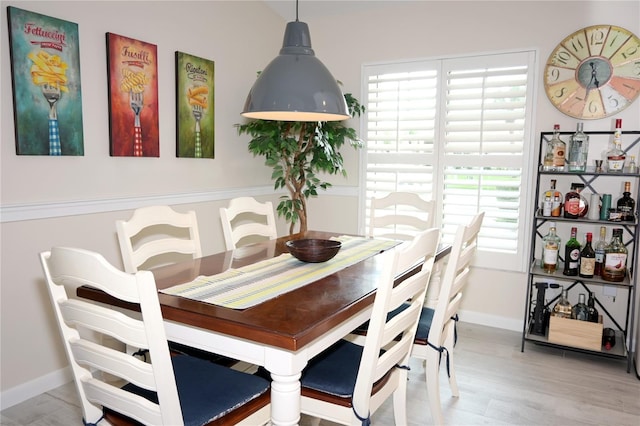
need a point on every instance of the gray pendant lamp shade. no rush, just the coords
(296, 86)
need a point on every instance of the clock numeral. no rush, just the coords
(597, 38)
(613, 102)
(577, 45)
(560, 93)
(630, 52)
(594, 107)
(563, 57)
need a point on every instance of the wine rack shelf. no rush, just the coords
(621, 322)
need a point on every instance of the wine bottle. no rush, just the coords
(616, 156)
(587, 259)
(572, 254)
(550, 247)
(627, 205)
(579, 311)
(608, 338)
(593, 315)
(600, 246)
(562, 308)
(615, 258)
(578, 150)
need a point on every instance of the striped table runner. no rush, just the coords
(253, 284)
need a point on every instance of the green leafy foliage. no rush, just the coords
(297, 152)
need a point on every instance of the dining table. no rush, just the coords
(281, 333)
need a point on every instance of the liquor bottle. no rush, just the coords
(615, 258)
(627, 205)
(587, 259)
(593, 315)
(572, 254)
(608, 338)
(563, 307)
(558, 148)
(556, 204)
(616, 156)
(578, 150)
(600, 246)
(575, 205)
(547, 201)
(550, 247)
(579, 311)
(546, 204)
(633, 167)
(547, 160)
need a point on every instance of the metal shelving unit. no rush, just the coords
(622, 326)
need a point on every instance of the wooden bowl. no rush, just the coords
(313, 250)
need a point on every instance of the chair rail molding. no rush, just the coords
(35, 211)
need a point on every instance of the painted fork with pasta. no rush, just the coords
(136, 100)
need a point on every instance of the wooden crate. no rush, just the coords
(579, 334)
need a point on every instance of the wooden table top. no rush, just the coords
(289, 321)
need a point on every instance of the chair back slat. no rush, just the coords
(114, 362)
(134, 406)
(104, 321)
(245, 217)
(383, 350)
(400, 216)
(154, 231)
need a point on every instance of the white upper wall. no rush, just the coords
(241, 37)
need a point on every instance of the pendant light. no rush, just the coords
(296, 86)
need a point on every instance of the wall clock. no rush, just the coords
(594, 72)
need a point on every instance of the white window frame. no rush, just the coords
(486, 258)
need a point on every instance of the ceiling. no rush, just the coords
(317, 8)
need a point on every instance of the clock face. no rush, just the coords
(594, 72)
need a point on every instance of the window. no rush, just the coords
(456, 130)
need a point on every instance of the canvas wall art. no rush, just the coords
(195, 132)
(132, 69)
(47, 95)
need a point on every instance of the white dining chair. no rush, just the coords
(246, 219)
(164, 389)
(436, 334)
(400, 215)
(156, 232)
(349, 382)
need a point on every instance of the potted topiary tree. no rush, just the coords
(297, 151)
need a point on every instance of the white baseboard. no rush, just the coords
(25, 391)
(495, 321)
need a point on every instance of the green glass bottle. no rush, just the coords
(572, 254)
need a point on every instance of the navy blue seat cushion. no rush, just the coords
(335, 370)
(424, 325)
(206, 390)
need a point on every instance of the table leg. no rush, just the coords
(285, 399)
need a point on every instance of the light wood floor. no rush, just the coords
(498, 383)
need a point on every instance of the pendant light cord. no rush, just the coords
(296, 10)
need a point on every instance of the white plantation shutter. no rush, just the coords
(456, 130)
